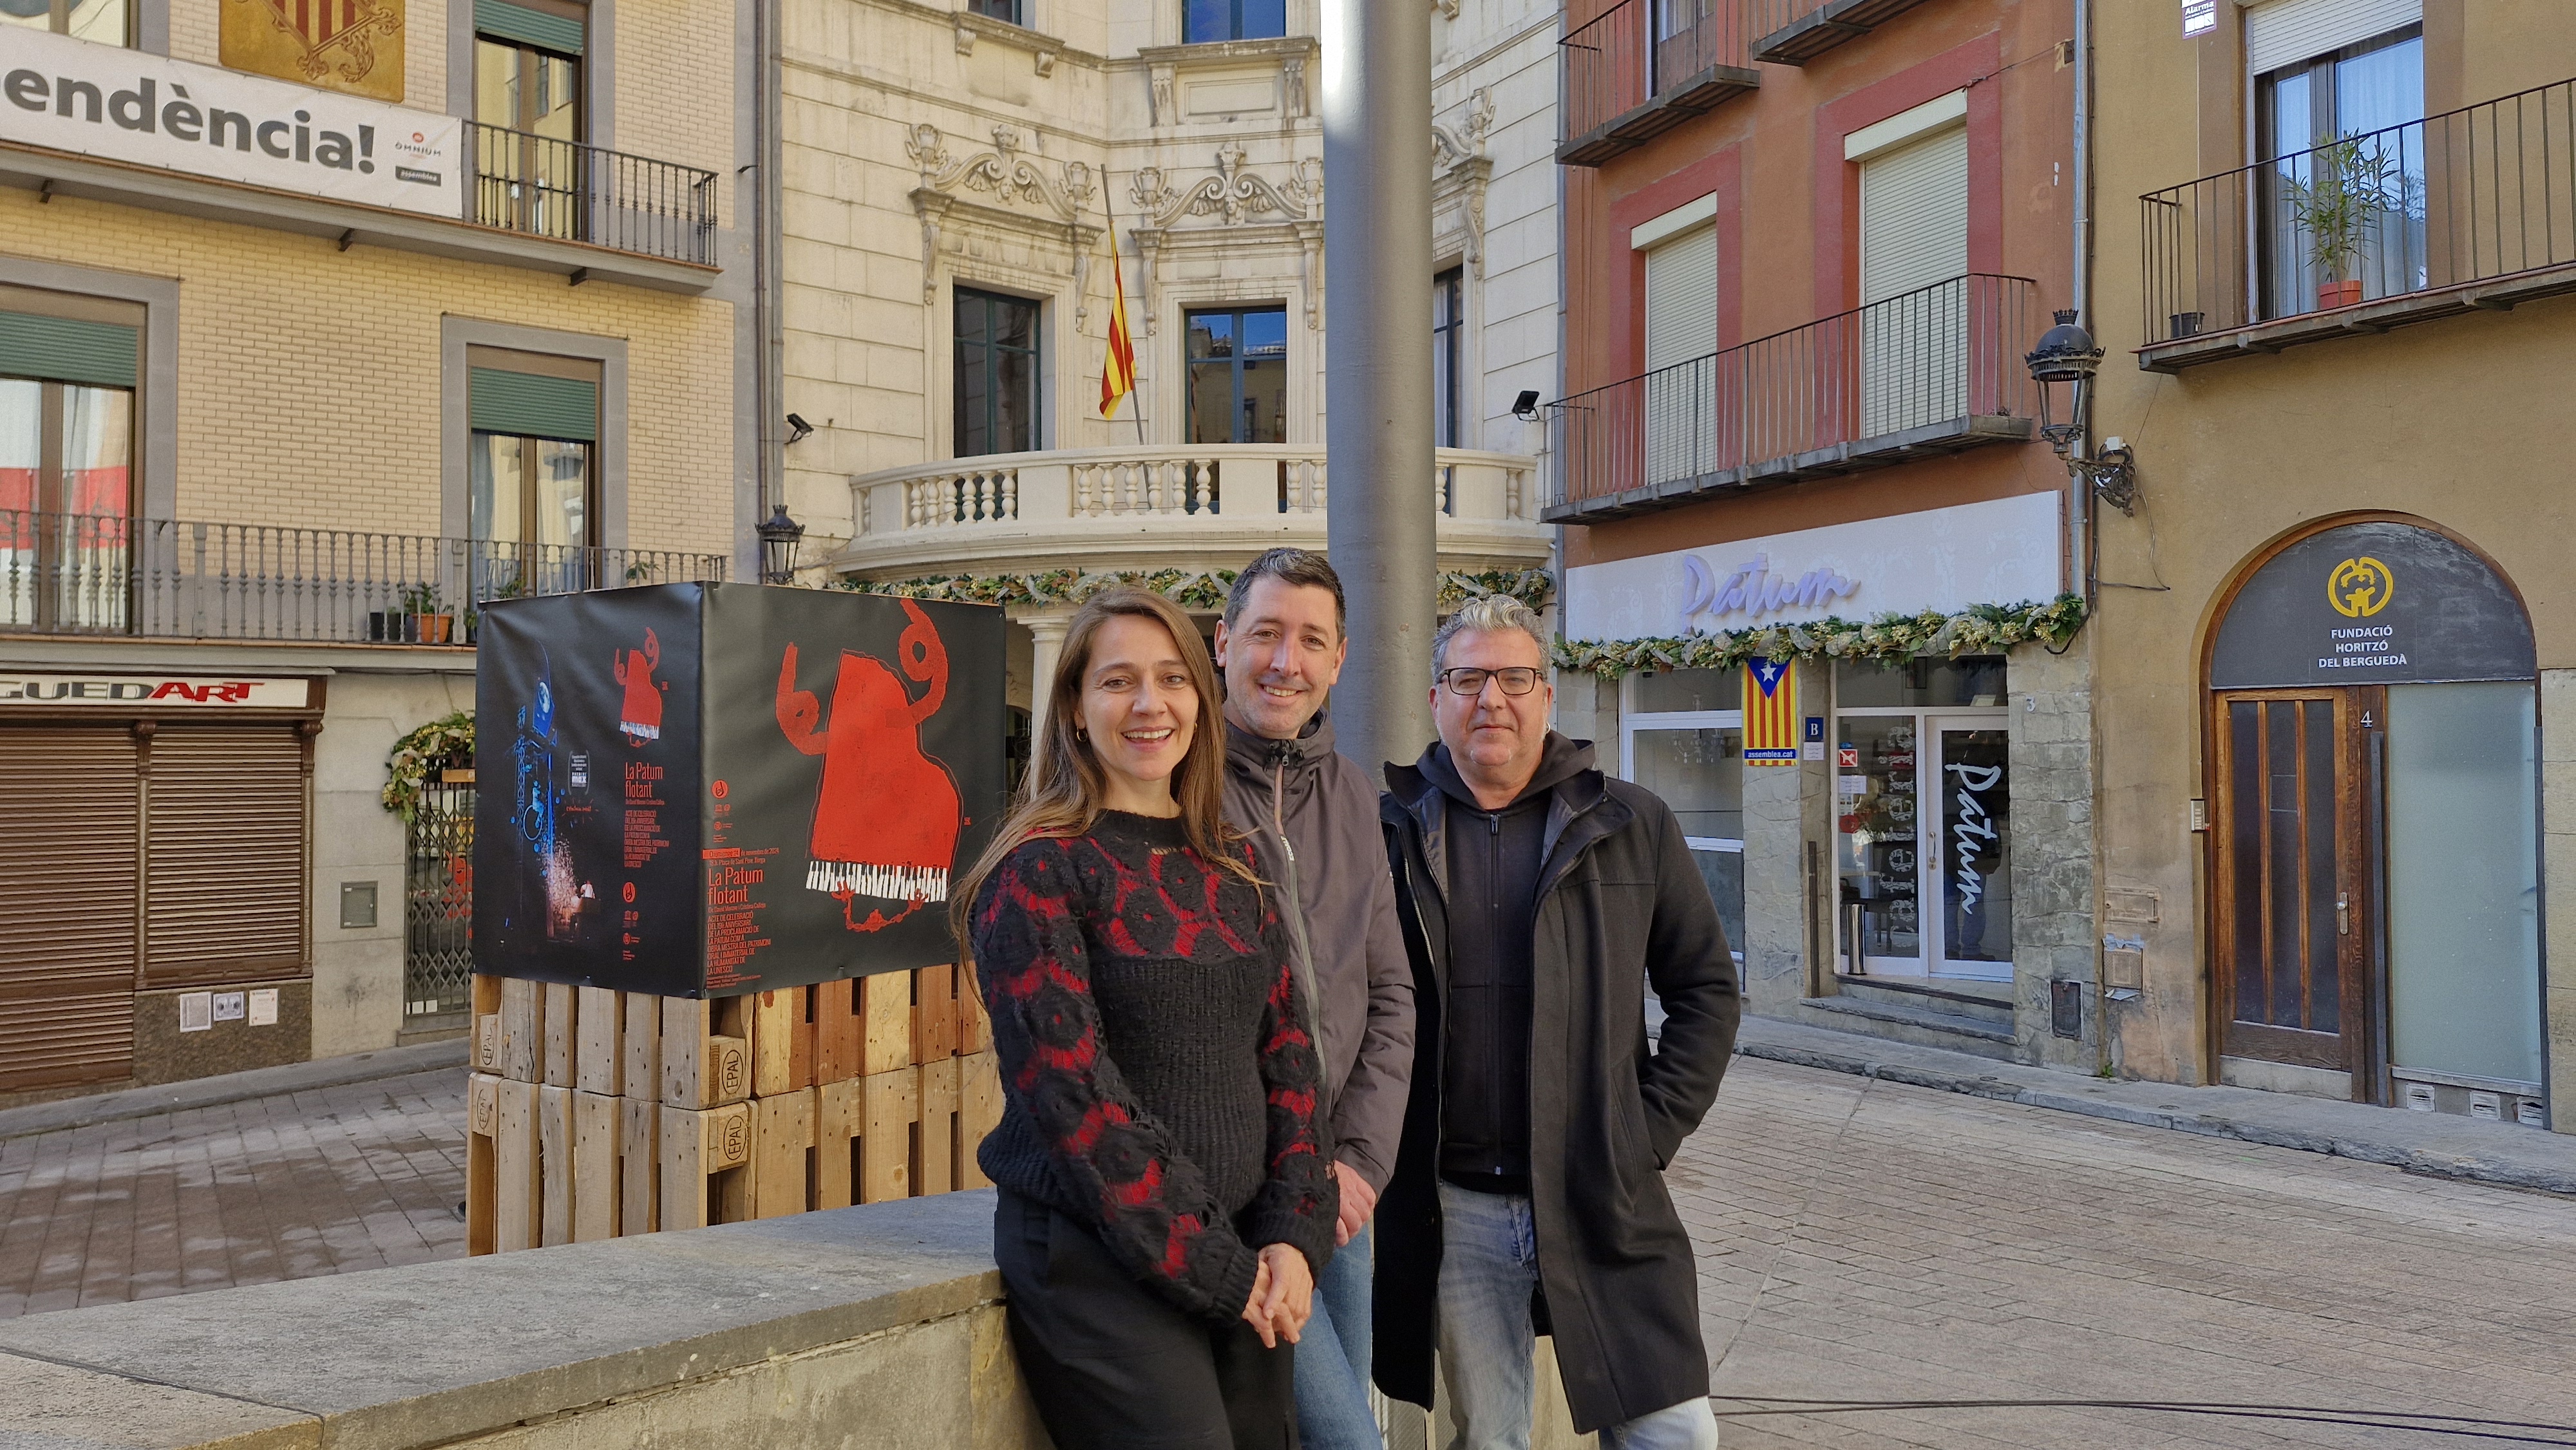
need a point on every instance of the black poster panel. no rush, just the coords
(854, 769)
(2372, 604)
(586, 758)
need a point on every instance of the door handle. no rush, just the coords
(2343, 915)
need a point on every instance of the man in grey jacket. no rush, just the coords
(1315, 815)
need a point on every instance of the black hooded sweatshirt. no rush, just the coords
(1494, 863)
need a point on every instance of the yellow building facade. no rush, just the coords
(321, 327)
(2336, 625)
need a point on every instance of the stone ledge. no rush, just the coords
(428, 1354)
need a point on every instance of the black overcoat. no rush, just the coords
(1621, 904)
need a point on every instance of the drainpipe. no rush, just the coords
(1380, 526)
(2083, 518)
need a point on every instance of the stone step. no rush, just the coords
(1987, 1002)
(1916, 1024)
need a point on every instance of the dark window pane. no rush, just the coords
(1008, 10)
(1209, 20)
(1265, 334)
(2244, 828)
(2281, 756)
(1261, 18)
(1015, 324)
(2325, 979)
(1015, 423)
(1211, 334)
(973, 314)
(974, 401)
(1211, 403)
(1265, 402)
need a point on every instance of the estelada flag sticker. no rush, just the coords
(1770, 712)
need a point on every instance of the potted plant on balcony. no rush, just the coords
(2347, 186)
(428, 625)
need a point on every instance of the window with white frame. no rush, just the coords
(1682, 737)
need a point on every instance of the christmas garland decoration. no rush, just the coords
(422, 753)
(1979, 629)
(1190, 589)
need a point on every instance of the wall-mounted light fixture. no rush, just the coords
(2068, 357)
(1525, 407)
(779, 536)
(798, 430)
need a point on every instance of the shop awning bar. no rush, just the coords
(574, 193)
(2473, 209)
(1794, 32)
(1937, 370)
(176, 579)
(1645, 66)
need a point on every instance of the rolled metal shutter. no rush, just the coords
(67, 856)
(2285, 32)
(224, 864)
(1681, 325)
(1913, 237)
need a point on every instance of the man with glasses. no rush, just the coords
(1539, 899)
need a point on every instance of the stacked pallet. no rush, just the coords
(595, 1114)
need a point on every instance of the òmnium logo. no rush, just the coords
(2360, 587)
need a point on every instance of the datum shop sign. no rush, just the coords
(128, 105)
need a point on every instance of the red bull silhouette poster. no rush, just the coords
(716, 789)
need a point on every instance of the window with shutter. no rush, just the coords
(1681, 327)
(1913, 255)
(2285, 32)
(224, 858)
(67, 913)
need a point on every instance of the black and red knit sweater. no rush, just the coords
(1158, 1082)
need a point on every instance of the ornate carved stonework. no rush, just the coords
(1007, 188)
(1461, 171)
(1230, 192)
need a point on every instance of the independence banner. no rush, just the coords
(128, 105)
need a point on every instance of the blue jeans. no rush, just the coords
(1333, 1356)
(1488, 1271)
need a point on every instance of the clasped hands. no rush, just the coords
(1283, 1287)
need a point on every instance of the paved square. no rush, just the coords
(1859, 1240)
(319, 1182)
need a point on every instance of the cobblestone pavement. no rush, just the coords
(1865, 1240)
(317, 1182)
(1859, 1240)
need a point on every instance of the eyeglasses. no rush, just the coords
(1517, 680)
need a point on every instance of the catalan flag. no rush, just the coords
(1770, 712)
(1118, 372)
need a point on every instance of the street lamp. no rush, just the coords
(2068, 355)
(779, 536)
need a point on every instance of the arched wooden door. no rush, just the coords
(2373, 851)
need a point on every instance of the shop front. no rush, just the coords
(159, 829)
(1888, 823)
(2372, 824)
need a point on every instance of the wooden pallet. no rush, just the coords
(595, 1114)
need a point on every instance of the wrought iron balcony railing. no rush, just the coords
(163, 578)
(576, 193)
(1645, 66)
(2471, 196)
(1934, 370)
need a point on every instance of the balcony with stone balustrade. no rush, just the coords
(1200, 512)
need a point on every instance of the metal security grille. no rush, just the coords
(438, 901)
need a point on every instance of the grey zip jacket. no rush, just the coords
(1316, 817)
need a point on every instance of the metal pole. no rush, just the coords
(1380, 464)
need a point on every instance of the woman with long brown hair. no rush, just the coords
(1166, 1196)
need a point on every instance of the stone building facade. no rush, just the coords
(967, 189)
